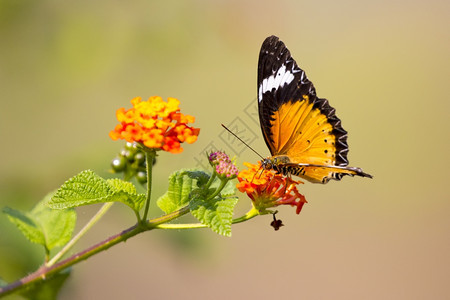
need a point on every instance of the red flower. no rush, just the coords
(268, 189)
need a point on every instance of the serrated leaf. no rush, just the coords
(125, 192)
(177, 195)
(57, 225)
(201, 176)
(217, 213)
(43, 225)
(26, 224)
(122, 185)
(89, 188)
(47, 289)
(82, 189)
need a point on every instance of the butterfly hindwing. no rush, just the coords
(297, 125)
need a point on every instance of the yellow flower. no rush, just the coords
(156, 124)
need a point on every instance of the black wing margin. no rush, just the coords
(274, 56)
(280, 80)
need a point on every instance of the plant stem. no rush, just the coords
(149, 156)
(86, 227)
(210, 181)
(181, 226)
(223, 182)
(249, 215)
(47, 270)
(47, 254)
(54, 267)
(253, 212)
(154, 223)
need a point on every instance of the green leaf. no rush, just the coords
(217, 213)
(82, 189)
(125, 192)
(89, 188)
(26, 224)
(57, 225)
(43, 225)
(199, 175)
(181, 184)
(47, 289)
(119, 185)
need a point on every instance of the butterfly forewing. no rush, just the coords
(295, 122)
(280, 80)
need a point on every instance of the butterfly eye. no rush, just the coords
(267, 164)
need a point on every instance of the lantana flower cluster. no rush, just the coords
(223, 165)
(156, 124)
(268, 189)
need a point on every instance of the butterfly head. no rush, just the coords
(267, 163)
(275, 163)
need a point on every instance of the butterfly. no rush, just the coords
(301, 130)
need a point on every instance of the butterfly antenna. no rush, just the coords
(242, 141)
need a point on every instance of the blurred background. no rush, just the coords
(67, 66)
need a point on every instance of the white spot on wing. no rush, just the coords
(275, 81)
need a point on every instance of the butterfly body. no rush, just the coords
(301, 130)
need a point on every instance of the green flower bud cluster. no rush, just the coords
(131, 162)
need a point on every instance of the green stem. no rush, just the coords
(210, 181)
(181, 226)
(86, 227)
(223, 182)
(249, 215)
(149, 156)
(47, 254)
(47, 270)
(154, 223)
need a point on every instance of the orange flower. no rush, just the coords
(156, 124)
(268, 189)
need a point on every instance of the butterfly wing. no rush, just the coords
(295, 122)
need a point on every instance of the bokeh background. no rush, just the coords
(66, 66)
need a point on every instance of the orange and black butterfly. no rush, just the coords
(302, 131)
